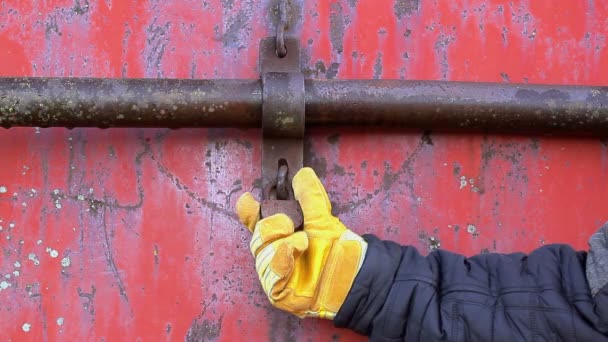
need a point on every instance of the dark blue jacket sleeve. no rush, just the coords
(400, 295)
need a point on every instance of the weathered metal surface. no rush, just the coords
(458, 106)
(291, 208)
(89, 102)
(155, 251)
(444, 106)
(284, 17)
(283, 123)
(279, 197)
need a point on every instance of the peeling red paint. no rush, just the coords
(155, 249)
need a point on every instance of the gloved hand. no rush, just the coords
(307, 273)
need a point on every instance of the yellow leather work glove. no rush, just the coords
(307, 273)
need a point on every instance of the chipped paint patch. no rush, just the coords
(404, 8)
(463, 182)
(471, 229)
(34, 258)
(53, 253)
(378, 66)
(336, 24)
(56, 197)
(66, 262)
(26, 327)
(434, 243)
(60, 321)
(4, 285)
(3, 189)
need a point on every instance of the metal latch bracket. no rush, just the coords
(283, 121)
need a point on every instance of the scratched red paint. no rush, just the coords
(146, 216)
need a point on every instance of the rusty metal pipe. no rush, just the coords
(82, 102)
(516, 108)
(96, 102)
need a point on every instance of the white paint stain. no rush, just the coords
(17, 264)
(65, 262)
(471, 229)
(26, 327)
(16, 273)
(463, 182)
(53, 253)
(3, 189)
(60, 321)
(4, 285)
(39, 242)
(34, 259)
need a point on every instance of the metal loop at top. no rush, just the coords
(280, 187)
(282, 183)
(282, 25)
(281, 48)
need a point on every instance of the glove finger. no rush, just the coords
(288, 249)
(311, 195)
(248, 210)
(269, 230)
(276, 275)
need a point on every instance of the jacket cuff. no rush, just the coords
(371, 286)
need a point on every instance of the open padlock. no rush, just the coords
(279, 197)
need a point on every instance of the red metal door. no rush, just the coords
(129, 234)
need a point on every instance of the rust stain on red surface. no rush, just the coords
(130, 234)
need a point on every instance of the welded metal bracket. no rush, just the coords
(283, 120)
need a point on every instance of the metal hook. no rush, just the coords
(279, 188)
(282, 25)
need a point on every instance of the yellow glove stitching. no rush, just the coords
(337, 252)
(264, 258)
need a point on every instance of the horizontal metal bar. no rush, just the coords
(517, 108)
(91, 102)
